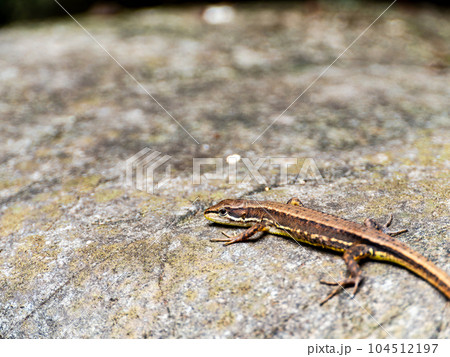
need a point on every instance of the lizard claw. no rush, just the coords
(226, 235)
(222, 239)
(341, 286)
(228, 240)
(389, 221)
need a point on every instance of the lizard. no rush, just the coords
(356, 241)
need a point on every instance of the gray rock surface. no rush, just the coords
(84, 255)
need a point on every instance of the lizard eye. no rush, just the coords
(222, 212)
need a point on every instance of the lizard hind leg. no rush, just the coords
(384, 228)
(351, 258)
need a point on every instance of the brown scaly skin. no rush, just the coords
(306, 225)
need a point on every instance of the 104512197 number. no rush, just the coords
(403, 347)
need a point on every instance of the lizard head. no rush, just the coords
(230, 212)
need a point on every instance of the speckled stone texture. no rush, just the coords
(84, 255)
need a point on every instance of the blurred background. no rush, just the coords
(85, 254)
(16, 10)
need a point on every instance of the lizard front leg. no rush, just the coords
(258, 227)
(294, 201)
(351, 258)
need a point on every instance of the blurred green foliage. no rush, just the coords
(13, 10)
(16, 10)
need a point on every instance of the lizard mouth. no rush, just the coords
(214, 217)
